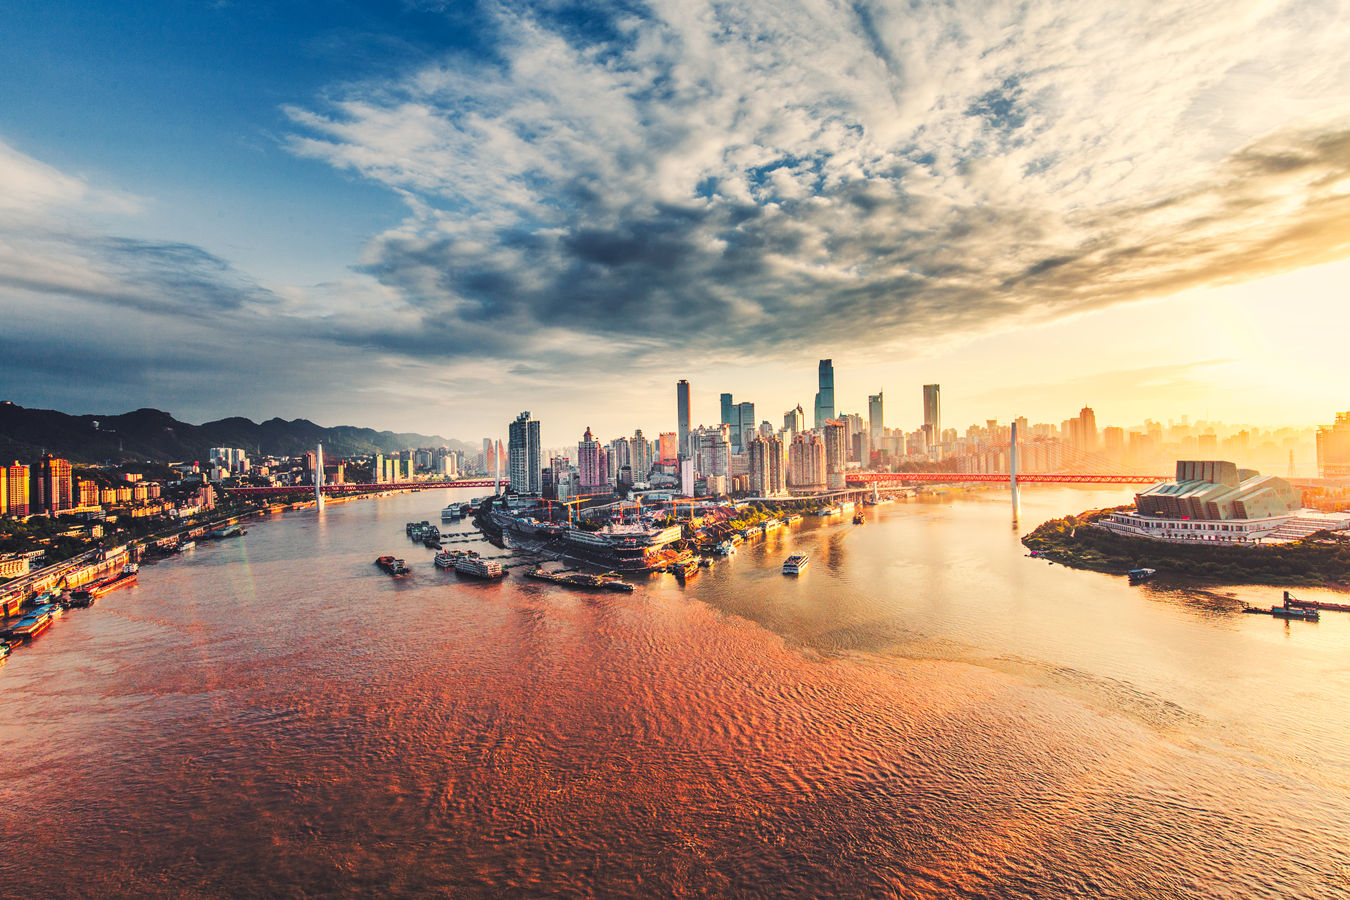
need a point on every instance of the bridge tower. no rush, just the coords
(1012, 465)
(318, 476)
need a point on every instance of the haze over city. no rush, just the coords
(417, 218)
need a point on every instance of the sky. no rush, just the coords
(431, 216)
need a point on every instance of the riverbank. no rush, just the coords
(1076, 541)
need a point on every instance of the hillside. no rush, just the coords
(150, 434)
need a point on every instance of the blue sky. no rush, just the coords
(429, 215)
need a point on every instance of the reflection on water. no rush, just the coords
(924, 712)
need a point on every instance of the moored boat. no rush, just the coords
(391, 565)
(477, 567)
(1139, 576)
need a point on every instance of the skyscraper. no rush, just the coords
(1087, 429)
(794, 420)
(876, 429)
(767, 478)
(731, 417)
(825, 394)
(525, 458)
(588, 463)
(932, 413)
(745, 413)
(836, 453)
(682, 415)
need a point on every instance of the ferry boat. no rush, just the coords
(446, 558)
(795, 563)
(726, 548)
(478, 567)
(1139, 576)
(186, 545)
(794, 518)
(391, 565)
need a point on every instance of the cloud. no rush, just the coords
(766, 178)
(30, 186)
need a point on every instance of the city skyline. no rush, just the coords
(977, 198)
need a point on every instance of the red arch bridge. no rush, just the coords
(900, 479)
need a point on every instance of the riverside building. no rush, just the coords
(1215, 501)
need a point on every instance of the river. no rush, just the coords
(925, 712)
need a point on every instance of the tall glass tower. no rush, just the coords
(932, 413)
(825, 395)
(682, 415)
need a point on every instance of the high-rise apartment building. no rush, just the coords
(669, 444)
(767, 475)
(825, 393)
(712, 452)
(1333, 448)
(932, 412)
(17, 480)
(682, 414)
(794, 420)
(806, 463)
(642, 456)
(56, 484)
(588, 464)
(836, 453)
(524, 455)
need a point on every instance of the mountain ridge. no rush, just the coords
(155, 435)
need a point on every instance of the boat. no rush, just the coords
(1286, 612)
(30, 626)
(610, 581)
(1139, 576)
(794, 518)
(1292, 601)
(859, 518)
(391, 565)
(684, 569)
(795, 563)
(478, 567)
(726, 548)
(186, 545)
(446, 558)
(82, 598)
(452, 513)
(228, 531)
(122, 579)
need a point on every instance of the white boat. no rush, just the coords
(478, 567)
(795, 563)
